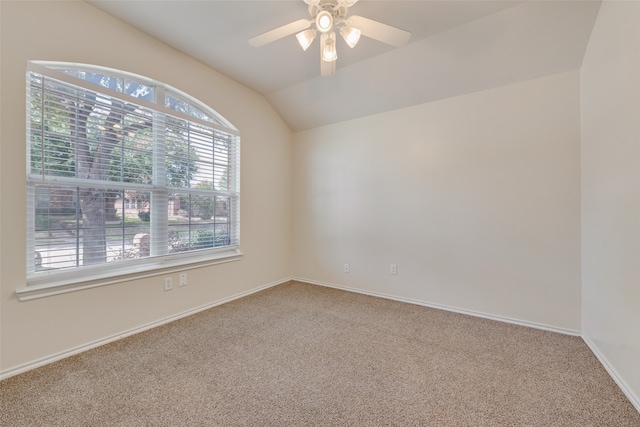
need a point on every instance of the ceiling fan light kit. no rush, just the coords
(350, 35)
(329, 53)
(306, 37)
(327, 15)
(324, 21)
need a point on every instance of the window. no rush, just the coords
(124, 174)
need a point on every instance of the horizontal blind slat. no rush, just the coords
(87, 141)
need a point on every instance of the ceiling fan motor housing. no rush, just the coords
(336, 8)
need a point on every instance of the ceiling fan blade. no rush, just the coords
(280, 32)
(346, 3)
(379, 31)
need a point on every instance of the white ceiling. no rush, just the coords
(456, 47)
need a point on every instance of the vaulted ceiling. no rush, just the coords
(456, 47)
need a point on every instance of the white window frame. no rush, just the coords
(45, 283)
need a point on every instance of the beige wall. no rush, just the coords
(77, 32)
(475, 198)
(611, 191)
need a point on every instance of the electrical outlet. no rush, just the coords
(346, 268)
(393, 269)
(168, 283)
(183, 279)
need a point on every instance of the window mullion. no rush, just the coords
(234, 190)
(31, 191)
(159, 195)
(162, 154)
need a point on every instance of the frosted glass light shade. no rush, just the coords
(329, 53)
(350, 35)
(305, 38)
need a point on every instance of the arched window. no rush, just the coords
(124, 174)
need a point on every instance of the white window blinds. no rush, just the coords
(123, 171)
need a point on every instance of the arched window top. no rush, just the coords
(142, 88)
(125, 175)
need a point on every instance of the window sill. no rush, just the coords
(56, 284)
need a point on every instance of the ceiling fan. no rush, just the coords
(328, 17)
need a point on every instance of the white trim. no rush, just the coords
(43, 68)
(34, 178)
(46, 282)
(37, 178)
(635, 400)
(45, 285)
(446, 308)
(97, 343)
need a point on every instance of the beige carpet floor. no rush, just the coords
(299, 354)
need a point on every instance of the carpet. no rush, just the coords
(304, 355)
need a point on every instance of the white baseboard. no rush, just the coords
(635, 400)
(446, 308)
(82, 348)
